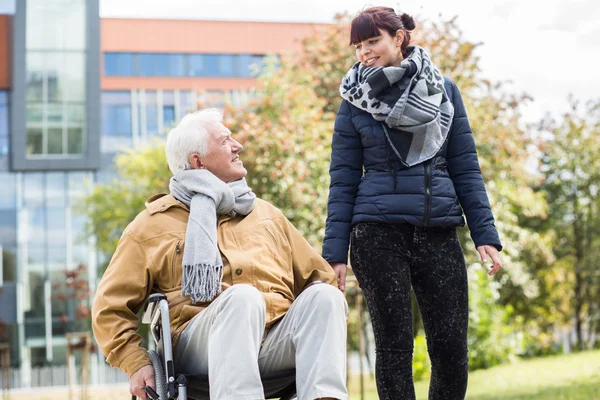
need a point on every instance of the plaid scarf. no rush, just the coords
(410, 100)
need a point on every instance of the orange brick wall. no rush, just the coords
(5, 53)
(187, 36)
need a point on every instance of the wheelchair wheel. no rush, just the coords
(160, 378)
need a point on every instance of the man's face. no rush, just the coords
(222, 158)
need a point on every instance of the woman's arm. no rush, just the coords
(345, 171)
(463, 166)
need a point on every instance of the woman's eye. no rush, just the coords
(373, 41)
(358, 47)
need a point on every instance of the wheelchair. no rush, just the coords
(172, 386)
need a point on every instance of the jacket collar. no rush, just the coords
(162, 202)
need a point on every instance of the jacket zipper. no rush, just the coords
(177, 252)
(427, 193)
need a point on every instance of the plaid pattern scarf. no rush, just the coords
(410, 100)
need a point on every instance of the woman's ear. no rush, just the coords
(399, 37)
(196, 161)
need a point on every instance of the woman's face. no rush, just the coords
(380, 51)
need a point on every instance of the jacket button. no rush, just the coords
(238, 271)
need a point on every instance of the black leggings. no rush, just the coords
(386, 260)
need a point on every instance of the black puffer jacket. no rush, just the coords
(429, 194)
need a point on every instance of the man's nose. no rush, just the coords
(237, 147)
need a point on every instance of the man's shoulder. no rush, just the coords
(266, 210)
(162, 215)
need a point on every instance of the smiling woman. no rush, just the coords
(403, 168)
(381, 39)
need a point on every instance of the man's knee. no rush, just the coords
(244, 298)
(326, 297)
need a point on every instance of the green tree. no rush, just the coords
(571, 169)
(111, 206)
(286, 134)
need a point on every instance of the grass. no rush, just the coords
(570, 377)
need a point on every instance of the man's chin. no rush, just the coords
(242, 173)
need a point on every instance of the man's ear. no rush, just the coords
(196, 161)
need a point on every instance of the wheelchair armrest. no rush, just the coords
(151, 307)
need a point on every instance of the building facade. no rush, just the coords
(75, 89)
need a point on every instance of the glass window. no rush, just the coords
(57, 24)
(8, 185)
(196, 65)
(105, 176)
(116, 120)
(9, 263)
(168, 116)
(176, 65)
(35, 328)
(55, 140)
(3, 125)
(57, 235)
(72, 77)
(78, 229)
(122, 120)
(8, 228)
(54, 114)
(151, 119)
(35, 140)
(116, 97)
(247, 65)
(161, 64)
(75, 140)
(55, 102)
(36, 230)
(78, 184)
(168, 98)
(33, 189)
(146, 64)
(3, 146)
(211, 65)
(119, 64)
(55, 189)
(225, 65)
(187, 101)
(60, 294)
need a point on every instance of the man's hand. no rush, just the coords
(486, 250)
(140, 379)
(340, 273)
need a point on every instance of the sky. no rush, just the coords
(545, 48)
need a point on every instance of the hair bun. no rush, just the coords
(407, 21)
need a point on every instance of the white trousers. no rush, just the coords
(224, 341)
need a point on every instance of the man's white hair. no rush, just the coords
(190, 136)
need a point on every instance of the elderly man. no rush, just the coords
(247, 294)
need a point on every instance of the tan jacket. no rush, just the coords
(262, 249)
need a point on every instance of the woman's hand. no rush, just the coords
(486, 250)
(340, 270)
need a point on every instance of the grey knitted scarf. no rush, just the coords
(207, 197)
(410, 100)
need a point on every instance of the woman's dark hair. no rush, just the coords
(368, 23)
